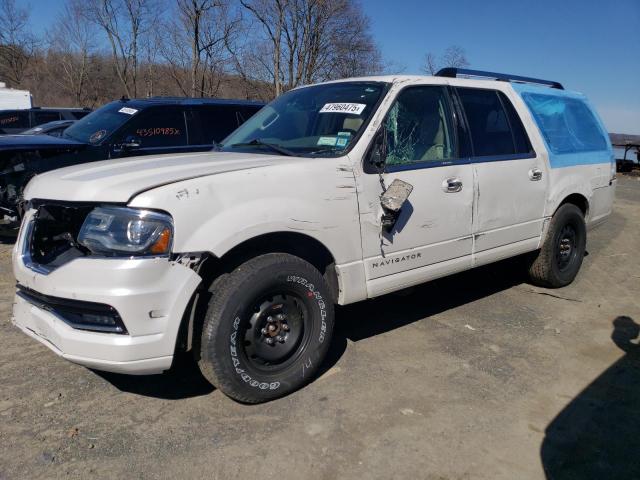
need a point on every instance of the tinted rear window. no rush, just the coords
(494, 125)
(44, 117)
(567, 124)
(14, 119)
(80, 114)
(218, 121)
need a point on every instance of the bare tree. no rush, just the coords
(99, 49)
(430, 64)
(198, 43)
(309, 40)
(353, 51)
(270, 14)
(71, 45)
(454, 57)
(126, 23)
(17, 44)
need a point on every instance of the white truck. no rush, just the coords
(331, 194)
(11, 99)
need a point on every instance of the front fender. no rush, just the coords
(218, 212)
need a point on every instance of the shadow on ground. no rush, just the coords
(366, 319)
(597, 436)
(184, 380)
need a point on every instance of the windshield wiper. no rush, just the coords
(325, 150)
(273, 146)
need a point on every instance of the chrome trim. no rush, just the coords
(535, 174)
(452, 185)
(25, 254)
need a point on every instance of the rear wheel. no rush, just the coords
(559, 260)
(267, 328)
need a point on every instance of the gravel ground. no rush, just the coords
(479, 375)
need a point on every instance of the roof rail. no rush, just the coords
(455, 72)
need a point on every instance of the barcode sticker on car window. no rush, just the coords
(128, 111)
(350, 108)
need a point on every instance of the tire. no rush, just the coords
(559, 260)
(267, 328)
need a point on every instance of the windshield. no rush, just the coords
(316, 120)
(101, 123)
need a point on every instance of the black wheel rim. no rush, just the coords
(566, 248)
(274, 332)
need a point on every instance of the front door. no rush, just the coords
(432, 236)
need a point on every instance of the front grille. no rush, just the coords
(51, 235)
(81, 315)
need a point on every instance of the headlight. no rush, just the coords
(126, 231)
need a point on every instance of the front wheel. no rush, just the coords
(560, 257)
(267, 328)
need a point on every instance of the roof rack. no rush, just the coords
(455, 72)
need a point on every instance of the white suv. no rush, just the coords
(331, 194)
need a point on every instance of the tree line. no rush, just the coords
(98, 50)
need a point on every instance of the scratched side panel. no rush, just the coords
(312, 196)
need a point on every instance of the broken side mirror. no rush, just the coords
(392, 200)
(378, 153)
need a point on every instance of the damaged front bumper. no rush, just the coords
(148, 295)
(9, 220)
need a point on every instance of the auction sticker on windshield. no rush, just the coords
(128, 111)
(351, 108)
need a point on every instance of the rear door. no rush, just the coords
(511, 179)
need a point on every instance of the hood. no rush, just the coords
(39, 142)
(120, 180)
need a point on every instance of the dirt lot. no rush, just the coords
(476, 376)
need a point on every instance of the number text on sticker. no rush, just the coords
(349, 108)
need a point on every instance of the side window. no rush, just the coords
(217, 122)
(567, 124)
(80, 114)
(14, 119)
(44, 117)
(419, 127)
(158, 127)
(488, 122)
(520, 137)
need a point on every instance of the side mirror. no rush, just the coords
(392, 200)
(378, 153)
(131, 143)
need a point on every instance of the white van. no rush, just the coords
(331, 194)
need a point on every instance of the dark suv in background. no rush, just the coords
(17, 121)
(118, 129)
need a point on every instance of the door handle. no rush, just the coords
(452, 185)
(535, 174)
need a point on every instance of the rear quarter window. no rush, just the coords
(218, 121)
(44, 117)
(567, 124)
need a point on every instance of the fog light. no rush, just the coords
(98, 319)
